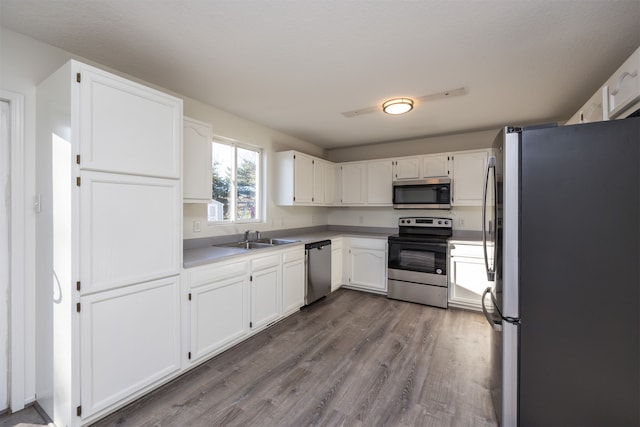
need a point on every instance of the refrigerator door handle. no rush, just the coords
(495, 324)
(491, 164)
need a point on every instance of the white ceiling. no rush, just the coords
(295, 66)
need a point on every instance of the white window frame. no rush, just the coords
(260, 189)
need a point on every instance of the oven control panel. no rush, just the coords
(424, 222)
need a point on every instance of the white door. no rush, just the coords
(379, 183)
(293, 285)
(197, 169)
(352, 179)
(319, 181)
(407, 168)
(368, 268)
(5, 277)
(264, 296)
(302, 178)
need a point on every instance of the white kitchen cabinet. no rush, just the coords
(125, 127)
(219, 306)
(435, 165)
(303, 179)
(319, 181)
(336, 263)
(196, 170)
(379, 183)
(467, 275)
(265, 291)
(293, 276)
(406, 168)
(353, 187)
(129, 230)
(623, 87)
(129, 339)
(366, 263)
(109, 156)
(468, 177)
(330, 192)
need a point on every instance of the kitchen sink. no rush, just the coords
(257, 244)
(276, 242)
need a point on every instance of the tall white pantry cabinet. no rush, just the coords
(109, 156)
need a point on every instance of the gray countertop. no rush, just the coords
(197, 256)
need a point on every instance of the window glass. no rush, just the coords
(235, 183)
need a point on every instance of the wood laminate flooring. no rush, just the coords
(351, 359)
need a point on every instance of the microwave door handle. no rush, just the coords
(491, 164)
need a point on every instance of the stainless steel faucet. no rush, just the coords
(257, 234)
(246, 235)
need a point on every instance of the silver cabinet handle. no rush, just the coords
(495, 324)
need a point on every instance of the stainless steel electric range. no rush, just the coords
(417, 266)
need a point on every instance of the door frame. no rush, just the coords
(16, 392)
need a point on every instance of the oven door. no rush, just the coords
(422, 257)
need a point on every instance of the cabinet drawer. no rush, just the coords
(624, 85)
(467, 250)
(360, 242)
(215, 272)
(293, 255)
(265, 262)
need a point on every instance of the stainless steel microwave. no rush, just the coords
(430, 193)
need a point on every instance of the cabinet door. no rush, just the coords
(624, 86)
(196, 171)
(293, 285)
(408, 168)
(130, 231)
(367, 264)
(352, 183)
(302, 179)
(336, 264)
(264, 296)
(468, 279)
(380, 182)
(330, 184)
(218, 315)
(129, 339)
(437, 165)
(319, 180)
(468, 177)
(126, 127)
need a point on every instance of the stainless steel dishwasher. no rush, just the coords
(318, 269)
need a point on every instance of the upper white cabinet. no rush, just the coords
(109, 156)
(353, 178)
(468, 177)
(435, 165)
(303, 179)
(330, 188)
(125, 127)
(617, 98)
(196, 170)
(406, 168)
(623, 86)
(379, 183)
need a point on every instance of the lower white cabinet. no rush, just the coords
(366, 263)
(265, 291)
(293, 280)
(336, 263)
(129, 340)
(219, 312)
(467, 275)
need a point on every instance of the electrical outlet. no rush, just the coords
(461, 221)
(196, 226)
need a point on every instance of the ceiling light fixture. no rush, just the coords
(397, 106)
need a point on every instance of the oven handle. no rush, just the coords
(491, 164)
(495, 324)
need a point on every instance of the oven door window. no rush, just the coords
(424, 258)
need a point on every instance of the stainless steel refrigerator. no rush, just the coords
(561, 224)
